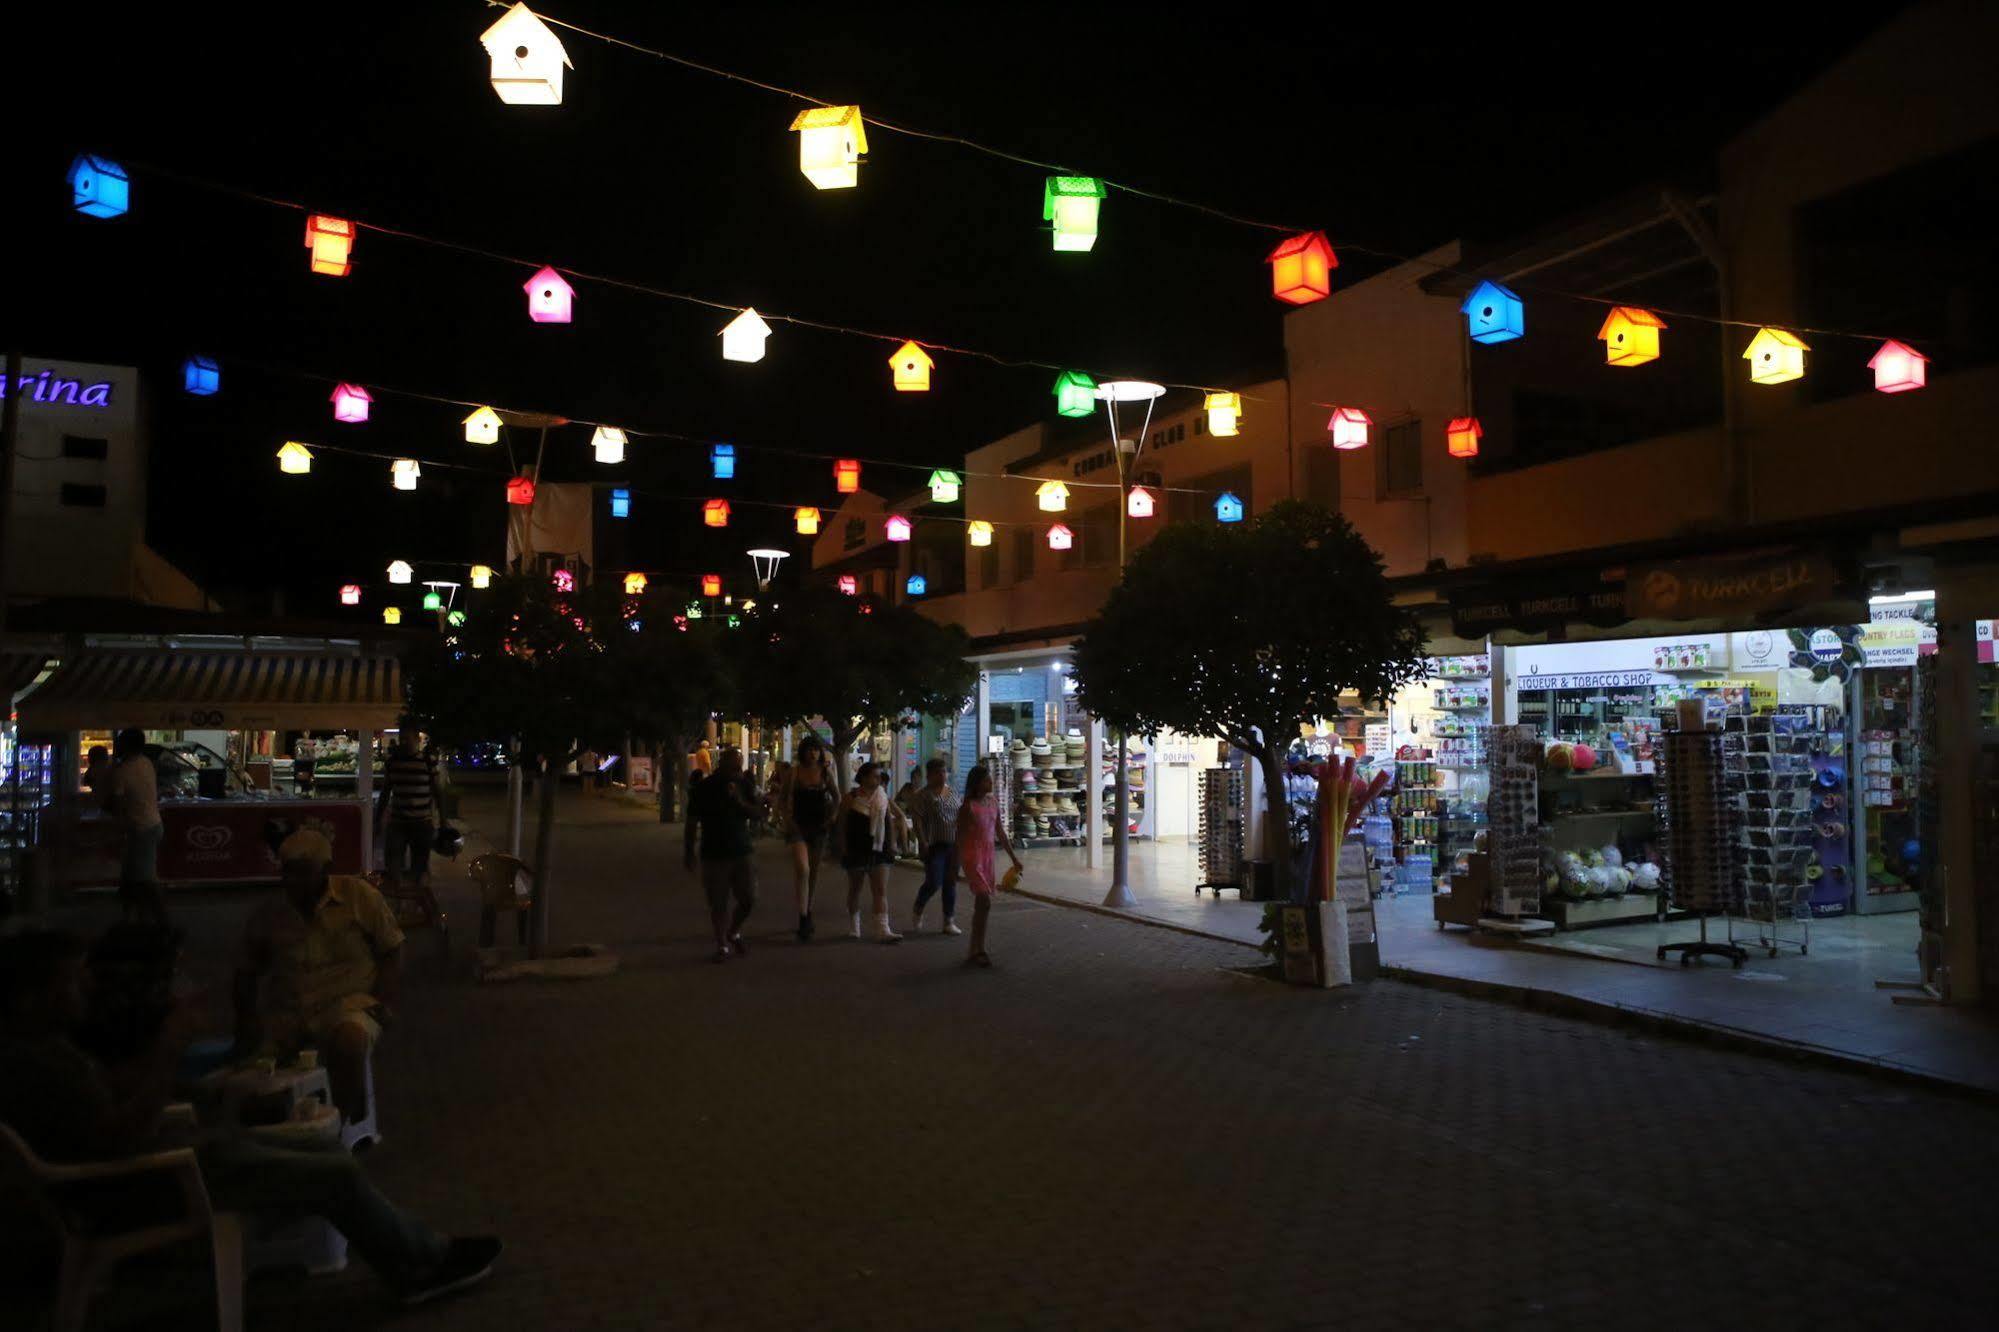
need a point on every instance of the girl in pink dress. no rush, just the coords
(978, 829)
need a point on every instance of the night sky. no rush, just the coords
(1393, 131)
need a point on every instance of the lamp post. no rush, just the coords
(765, 561)
(1111, 393)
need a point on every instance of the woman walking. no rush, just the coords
(933, 809)
(806, 803)
(978, 829)
(869, 824)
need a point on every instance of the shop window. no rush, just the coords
(1402, 459)
(77, 496)
(1025, 539)
(83, 446)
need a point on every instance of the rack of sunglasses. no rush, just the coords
(1698, 837)
(1221, 829)
(1767, 760)
(1513, 816)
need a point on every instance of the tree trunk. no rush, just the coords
(544, 852)
(673, 778)
(1276, 819)
(843, 741)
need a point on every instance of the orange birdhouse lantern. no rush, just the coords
(1461, 439)
(1630, 335)
(331, 240)
(1301, 269)
(806, 519)
(715, 513)
(847, 476)
(711, 585)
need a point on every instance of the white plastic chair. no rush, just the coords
(87, 1257)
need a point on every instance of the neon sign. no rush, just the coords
(51, 387)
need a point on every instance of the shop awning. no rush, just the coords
(168, 690)
(17, 671)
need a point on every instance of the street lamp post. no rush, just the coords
(1111, 393)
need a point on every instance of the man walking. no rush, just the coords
(410, 779)
(719, 812)
(132, 794)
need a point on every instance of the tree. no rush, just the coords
(1246, 631)
(554, 671)
(850, 660)
(665, 675)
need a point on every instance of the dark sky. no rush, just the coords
(1395, 130)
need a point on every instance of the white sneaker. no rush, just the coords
(951, 926)
(885, 932)
(916, 923)
(856, 932)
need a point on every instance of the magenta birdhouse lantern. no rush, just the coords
(896, 528)
(1898, 367)
(1349, 427)
(350, 403)
(549, 297)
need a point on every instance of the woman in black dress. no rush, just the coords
(806, 804)
(870, 826)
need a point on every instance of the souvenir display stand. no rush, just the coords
(1698, 837)
(1767, 760)
(1221, 830)
(1513, 834)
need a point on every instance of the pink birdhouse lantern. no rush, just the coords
(849, 585)
(1139, 503)
(1898, 367)
(350, 403)
(1349, 426)
(549, 297)
(1060, 537)
(565, 581)
(896, 528)
(350, 594)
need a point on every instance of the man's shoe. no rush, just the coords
(951, 926)
(805, 929)
(736, 942)
(720, 955)
(468, 1261)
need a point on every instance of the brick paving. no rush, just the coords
(1112, 1128)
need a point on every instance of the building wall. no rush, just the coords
(58, 543)
(1392, 350)
(1003, 598)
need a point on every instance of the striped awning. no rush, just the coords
(173, 691)
(17, 671)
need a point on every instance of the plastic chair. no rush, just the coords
(503, 886)
(88, 1256)
(416, 909)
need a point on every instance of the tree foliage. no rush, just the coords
(1247, 630)
(850, 660)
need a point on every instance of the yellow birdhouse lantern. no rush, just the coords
(635, 583)
(912, 368)
(806, 519)
(609, 442)
(979, 532)
(1052, 496)
(832, 140)
(331, 240)
(527, 59)
(295, 458)
(392, 615)
(1630, 335)
(1775, 357)
(1224, 412)
(482, 576)
(482, 427)
(715, 513)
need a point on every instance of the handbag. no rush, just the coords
(448, 842)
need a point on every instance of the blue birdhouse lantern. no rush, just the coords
(1493, 314)
(1228, 509)
(621, 503)
(99, 187)
(916, 586)
(200, 376)
(722, 457)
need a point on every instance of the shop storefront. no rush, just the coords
(214, 722)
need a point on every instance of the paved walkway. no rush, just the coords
(1824, 1003)
(1113, 1128)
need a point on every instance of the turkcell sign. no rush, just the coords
(47, 386)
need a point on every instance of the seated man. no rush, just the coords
(62, 1104)
(322, 967)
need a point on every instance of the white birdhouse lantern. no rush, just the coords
(528, 59)
(743, 338)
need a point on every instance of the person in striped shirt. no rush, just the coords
(410, 784)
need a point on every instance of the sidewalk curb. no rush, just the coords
(1605, 1014)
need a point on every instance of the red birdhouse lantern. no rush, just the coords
(711, 585)
(520, 490)
(1461, 439)
(847, 476)
(1301, 269)
(715, 513)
